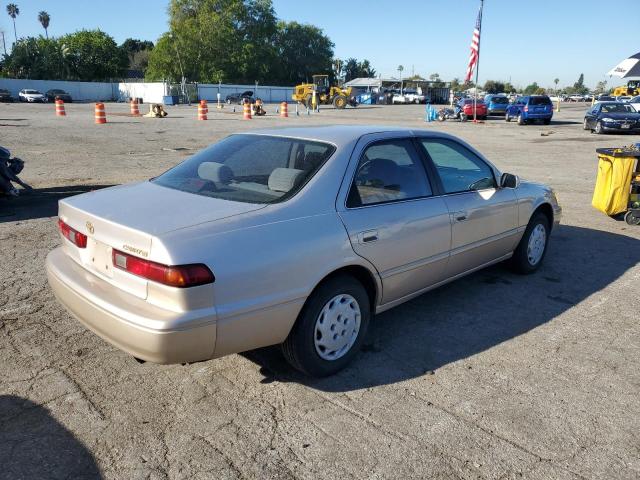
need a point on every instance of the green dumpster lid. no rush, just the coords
(619, 152)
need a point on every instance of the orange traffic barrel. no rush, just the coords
(101, 116)
(134, 107)
(246, 111)
(60, 108)
(202, 111)
(284, 110)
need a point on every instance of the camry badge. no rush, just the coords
(90, 228)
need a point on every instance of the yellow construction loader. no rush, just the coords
(632, 89)
(325, 94)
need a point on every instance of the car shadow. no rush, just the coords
(39, 202)
(473, 314)
(34, 445)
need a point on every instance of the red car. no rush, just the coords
(466, 106)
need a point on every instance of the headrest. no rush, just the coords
(215, 172)
(284, 179)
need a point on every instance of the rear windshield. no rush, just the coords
(539, 101)
(500, 100)
(249, 168)
(31, 91)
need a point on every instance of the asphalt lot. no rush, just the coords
(493, 376)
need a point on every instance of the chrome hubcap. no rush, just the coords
(337, 327)
(537, 242)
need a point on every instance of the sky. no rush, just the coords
(522, 41)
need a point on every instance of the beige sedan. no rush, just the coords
(294, 237)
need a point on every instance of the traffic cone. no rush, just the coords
(202, 110)
(284, 110)
(205, 105)
(100, 115)
(60, 108)
(246, 111)
(134, 107)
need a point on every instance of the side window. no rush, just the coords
(459, 169)
(388, 171)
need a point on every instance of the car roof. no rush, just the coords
(341, 135)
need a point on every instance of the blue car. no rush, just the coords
(496, 104)
(612, 117)
(529, 108)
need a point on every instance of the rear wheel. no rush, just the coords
(585, 125)
(632, 218)
(532, 248)
(330, 328)
(507, 117)
(463, 117)
(340, 101)
(521, 120)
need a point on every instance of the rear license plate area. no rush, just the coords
(99, 257)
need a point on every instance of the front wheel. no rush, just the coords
(340, 101)
(632, 218)
(532, 248)
(463, 117)
(585, 125)
(507, 117)
(599, 129)
(330, 328)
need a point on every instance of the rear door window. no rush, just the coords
(540, 101)
(388, 171)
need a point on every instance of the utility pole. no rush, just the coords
(4, 45)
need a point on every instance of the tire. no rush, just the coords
(521, 120)
(303, 347)
(441, 117)
(463, 117)
(599, 130)
(585, 125)
(507, 117)
(308, 100)
(228, 101)
(632, 218)
(528, 257)
(339, 101)
(547, 121)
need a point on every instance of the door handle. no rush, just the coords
(369, 236)
(460, 216)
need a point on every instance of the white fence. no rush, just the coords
(267, 93)
(149, 92)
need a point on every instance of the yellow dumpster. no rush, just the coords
(613, 184)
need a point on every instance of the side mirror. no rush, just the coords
(509, 180)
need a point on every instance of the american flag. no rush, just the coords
(475, 47)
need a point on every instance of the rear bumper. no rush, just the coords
(115, 316)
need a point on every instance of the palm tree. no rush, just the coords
(556, 81)
(44, 18)
(13, 11)
(400, 69)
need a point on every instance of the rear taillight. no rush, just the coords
(526, 108)
(181, 276)
(71, 234)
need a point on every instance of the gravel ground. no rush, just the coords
(493, 376)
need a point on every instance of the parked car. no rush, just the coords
(31, 96)
(398, 98)
(612, 117)
(529, 108)
(412, 96)
(588, 97)
(623, 98)
(56, 92)
(576, 97)
(5, 96)
(466, 106)
(300, 245)
(606, 98)
(239, 98)
(635, 103)
(496, 104)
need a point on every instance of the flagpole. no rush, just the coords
(475, 99)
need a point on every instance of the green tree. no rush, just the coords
(302, 51)
(437, 81)
(531, 89)
(455, 84)
(601, 87)
(494, 86)
(44, 19)
(92, 55)
(13, 11)
(212, 40)
(508, 88)
(137, 52)
(366, 70)
(556, 81)
(579, 86)
(36, 58)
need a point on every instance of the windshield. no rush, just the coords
(31, 91)
(617, 108)
(57, 91)
(249, 168)
(500, 100)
